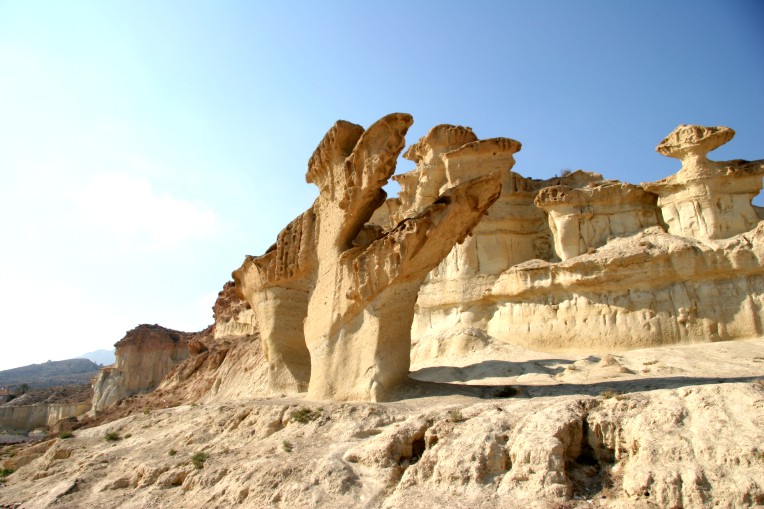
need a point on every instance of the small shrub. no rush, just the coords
(287, 445)
(66, 434)
(111, 436)
(172, 452)
(146, 411)
(609, 393)
(305, 415)
(199, 458)
(5, 472)
(455, 416)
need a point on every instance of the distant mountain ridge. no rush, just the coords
(101, 356)
(51, 373)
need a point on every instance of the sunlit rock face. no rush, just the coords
(143, 357)
(335, 296)
(276, 285)
(707, 199)
(473, 251)
(584, 218)
(581, 261)
(233, 316)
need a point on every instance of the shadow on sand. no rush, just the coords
(413, 389)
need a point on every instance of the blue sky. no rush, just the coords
(147, 146)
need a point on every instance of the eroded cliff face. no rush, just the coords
(143, 357)
(581, 262)
(358, 289)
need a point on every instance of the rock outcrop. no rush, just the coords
(473, 281)
(474, 252)
(144, 356)
(707, 199)
(623, 271)
(277, 287)
(347, 292)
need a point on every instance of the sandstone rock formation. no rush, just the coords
(684, 432)
(357, 291)
(602, 284)
(707, 199)
(359, 316)
(335, 300)
(144, 356)
(276, 286)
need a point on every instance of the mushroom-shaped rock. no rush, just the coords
(360, 310)
(439, 140)
(691, 143)
(585, 217)
(706, 199)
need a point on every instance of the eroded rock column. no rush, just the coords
(277, 286)
(359, 316)
(706, 199)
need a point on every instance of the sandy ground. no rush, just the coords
(677, 426)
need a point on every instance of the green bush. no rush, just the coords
(287, 445)
(66, 434)
(172, 452)
(455, 416)
(111, 436)
(305, 415)
(199, 458)
(5, 472)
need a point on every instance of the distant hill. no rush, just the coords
(101, 356)
(51, 373)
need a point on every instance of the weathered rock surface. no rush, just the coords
(144, 356)
(334, 299)
(359, 315)
(277, 287)
(683, 427)
(601, 304)
(707, 199)
(622, 273)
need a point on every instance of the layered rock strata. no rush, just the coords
(707, 199)
(627, 268)
(143, 358)
(361, 284)
(277, 286)
(585, 218)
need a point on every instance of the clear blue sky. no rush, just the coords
(147, 146)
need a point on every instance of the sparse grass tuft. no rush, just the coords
(287, 445)
(455, 416)
(5, 472)
(199, 458)
(66, 434)
(112, 436)
(609, 393)
(172, 452)
(305, 415)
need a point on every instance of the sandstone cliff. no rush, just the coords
(144, 356)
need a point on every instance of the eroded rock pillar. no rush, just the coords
(706, 199)
(359, 316)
